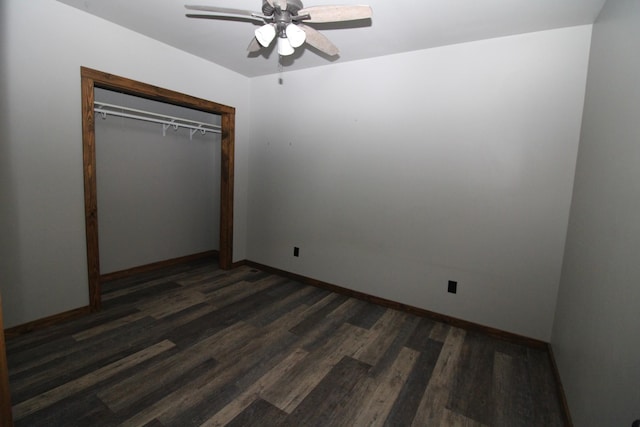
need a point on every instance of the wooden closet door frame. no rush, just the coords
(91, 79)
(6, 417)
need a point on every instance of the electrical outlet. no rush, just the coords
(296, 251)
(453, 287)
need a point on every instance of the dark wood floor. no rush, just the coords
(194, 345)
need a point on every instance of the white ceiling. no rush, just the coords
(397, 26)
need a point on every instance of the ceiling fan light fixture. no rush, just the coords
(286, 19)
(284, 47)
(295, 35)
(265, 34)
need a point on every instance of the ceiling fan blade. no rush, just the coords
(319, 14)
(254, 46)
(316, 39)
(226, 17)
(224, 10)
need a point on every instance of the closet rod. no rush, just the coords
(166, 121)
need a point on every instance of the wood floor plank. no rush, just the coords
(246, 344)
(232, 387)
(221, 281)
(76, 361)
(83, 360)
(34, 404)
(250, 395)
(20, 365)
(91, 410)
(280, 308)
(191, 281)
(240, 290)
(116, 288)
(388, 356)
(330, 298)
(513, 402)
(436, 396)
(174, 400)
(109, 326)
(318, 295)
(259, 414)
(232, 341)
(325, 328)
(237, 376)
(225, 373)
(472, 385)
(131, 298)
(219, 318)
(123, 291)
(136, 387)
(451, 418)
(351, 405)
(546, 404)
(291, 389)
(171, 303)
(323, 406)
(367, 316)
(383, 332)
(51, 357)
(140, 401)
(439, 332)
(26, 347)
(289, 320)
(406, 405)
(375, 410)
(312, 320)
(420, 338)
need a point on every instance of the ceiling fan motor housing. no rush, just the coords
(293, 6)
(281, 21)
(282, 17)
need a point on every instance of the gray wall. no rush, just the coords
(42, 253)
(597, 326)
(395, 174)
(158, 196)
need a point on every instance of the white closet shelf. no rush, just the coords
(167, 122)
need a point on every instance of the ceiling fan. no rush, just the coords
(286, 19)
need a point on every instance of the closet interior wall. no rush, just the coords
(158, 196)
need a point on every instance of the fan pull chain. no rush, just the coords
(280, 70)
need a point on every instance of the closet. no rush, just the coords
(92, 80)
(157, 180)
